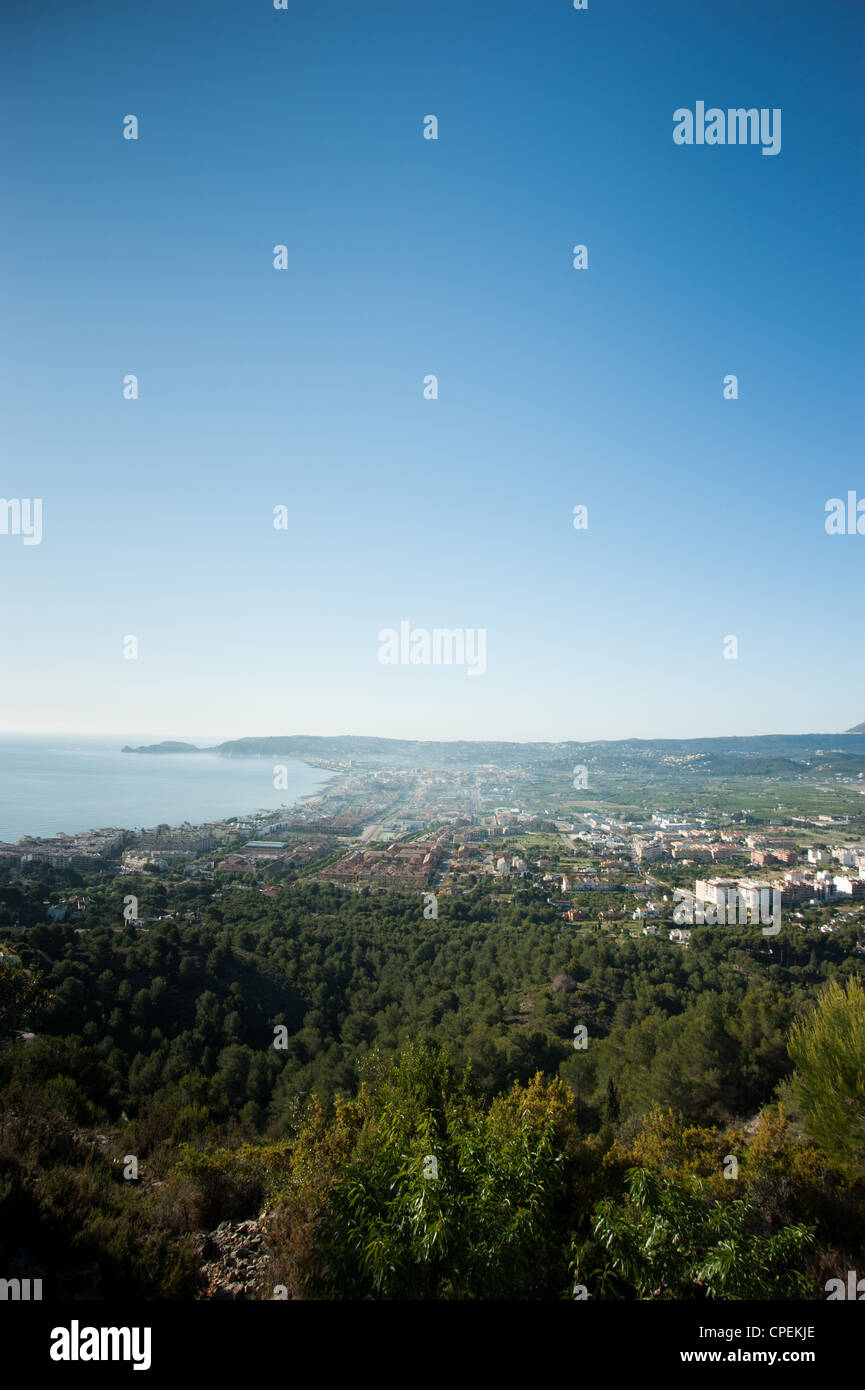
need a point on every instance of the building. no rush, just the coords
(647, 851)
(847, 887)
(739, 898)
(761, 857)
(848, 855)
(795, 888)
(784, 855)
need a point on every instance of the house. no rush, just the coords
(641, 913)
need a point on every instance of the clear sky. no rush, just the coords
(557, 387)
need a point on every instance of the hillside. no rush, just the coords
(781, 755)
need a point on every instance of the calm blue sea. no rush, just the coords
(71, 783)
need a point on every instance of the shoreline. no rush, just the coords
(28, 842)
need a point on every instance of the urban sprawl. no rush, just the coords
(441, 832)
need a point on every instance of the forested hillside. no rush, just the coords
(311, 1050)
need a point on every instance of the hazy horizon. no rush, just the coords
(209, 740)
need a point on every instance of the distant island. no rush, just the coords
(166, 748)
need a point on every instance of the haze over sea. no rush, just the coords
(65, 782)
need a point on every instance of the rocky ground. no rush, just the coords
(233, 1260)
(232, 1264)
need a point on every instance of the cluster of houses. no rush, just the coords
(90, 848)
(406, 864)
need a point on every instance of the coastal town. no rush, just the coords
(443, 832)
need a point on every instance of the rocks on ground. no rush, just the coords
(233, 1259)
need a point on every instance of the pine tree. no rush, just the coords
(827, 1046)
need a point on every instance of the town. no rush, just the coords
(448, 829)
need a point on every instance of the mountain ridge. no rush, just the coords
(781, 754)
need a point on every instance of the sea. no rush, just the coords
(81, 782)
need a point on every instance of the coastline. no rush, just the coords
(40, 779)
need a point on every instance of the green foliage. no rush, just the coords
(500, 985)
(231, 1184)
(827, 1046)
(666, 1241)
(63, 1199)
(22, 993)
(444, 1198)
(410, 1040)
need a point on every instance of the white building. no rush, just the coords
(647, 850)
(848, 855)
(641, 913)
(847, 887)
(738, 898)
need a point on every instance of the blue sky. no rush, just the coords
(408, 256)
